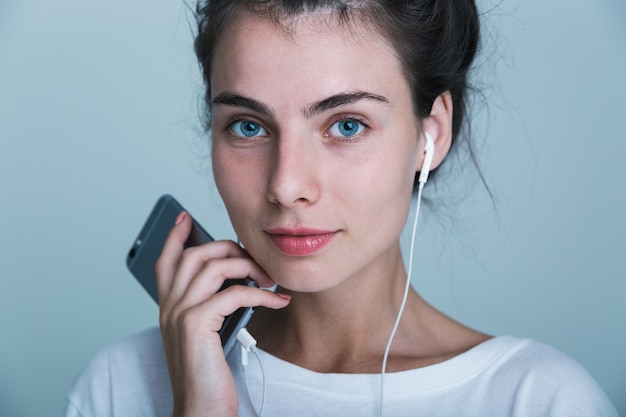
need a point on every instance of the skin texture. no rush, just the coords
(291, 178)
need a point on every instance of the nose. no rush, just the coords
(295, 173)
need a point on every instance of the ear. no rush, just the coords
(439, 125)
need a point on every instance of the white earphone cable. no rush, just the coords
(248, 343)
(403, 304)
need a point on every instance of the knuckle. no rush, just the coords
(189, 254)
(242, 294)
(166, 316)
(231, 244)
(212, 272)
(159, 267)
(195, 255)
(186, 319)
(233, 290)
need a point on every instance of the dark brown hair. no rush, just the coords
(435, 40)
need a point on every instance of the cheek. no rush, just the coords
(377, 193)
(231, 178)
(221, 172)
(387, 186)
(390, 172)
(231, 188)
(240, 181)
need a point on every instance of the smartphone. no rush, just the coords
(146, 249)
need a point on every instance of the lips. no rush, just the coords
(300, 242)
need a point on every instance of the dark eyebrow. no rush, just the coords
(230, 99)
(341, 99)
(331, 102)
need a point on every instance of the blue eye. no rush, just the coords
(347, 128)
(247, 128)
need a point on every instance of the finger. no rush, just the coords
(195, 259)
(216, 271)
(168, 261)
(227, 301)
(211, 312)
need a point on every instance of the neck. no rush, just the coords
(343, 329)
(346, 329)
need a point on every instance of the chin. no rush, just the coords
(303, 280)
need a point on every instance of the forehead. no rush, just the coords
(316, 53)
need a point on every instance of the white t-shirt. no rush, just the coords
(501, 377)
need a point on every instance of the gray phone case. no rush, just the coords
(147, 248)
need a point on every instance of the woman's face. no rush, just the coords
(315, 148)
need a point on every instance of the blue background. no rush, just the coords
(98, 117)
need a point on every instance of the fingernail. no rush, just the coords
(284, 296)
(180, 217)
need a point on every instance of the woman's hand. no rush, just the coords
(192, 312)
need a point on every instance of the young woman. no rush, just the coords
(319, 113)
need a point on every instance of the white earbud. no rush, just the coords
(429, 153)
